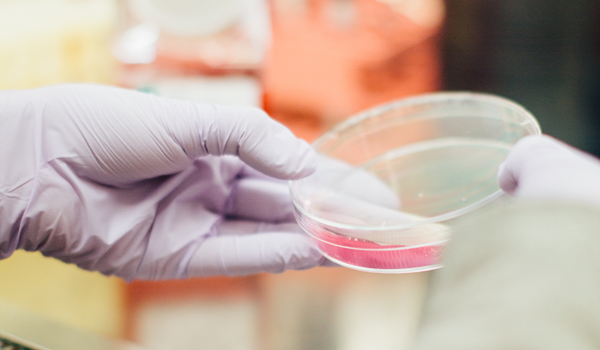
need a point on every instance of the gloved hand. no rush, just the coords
(144, 187)
(540, 167)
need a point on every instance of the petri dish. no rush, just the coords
(393, 180)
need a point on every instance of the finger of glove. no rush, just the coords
(249, 172)
(110, 135)
(512, 169)
(261, 200)
(237, 227)
(540, 167)
(249, 133)
(506, 179)
(246, 227)
(238, 255)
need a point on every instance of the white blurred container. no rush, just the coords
(203, 50)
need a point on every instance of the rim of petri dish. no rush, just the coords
(384, 271)
(529, 119)
(391, 247)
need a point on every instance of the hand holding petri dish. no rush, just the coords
(392, 180)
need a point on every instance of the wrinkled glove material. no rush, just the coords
(144, 187)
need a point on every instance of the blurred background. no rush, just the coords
(310, 64)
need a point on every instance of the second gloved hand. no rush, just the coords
(143, 187)
(540, 167)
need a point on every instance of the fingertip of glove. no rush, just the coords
(505, 179)
(522, 155)
(268, 146)
(292, 159)
(307, 161)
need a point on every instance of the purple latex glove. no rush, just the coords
(540, 167)
(144, 187)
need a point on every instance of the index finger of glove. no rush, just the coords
(249, 133)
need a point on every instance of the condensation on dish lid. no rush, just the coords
(357, 214)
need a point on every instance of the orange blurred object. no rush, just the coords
(140, 295)
(333, 58)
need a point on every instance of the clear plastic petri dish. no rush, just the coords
(393, 180)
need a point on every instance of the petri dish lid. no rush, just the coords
(411, 162)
